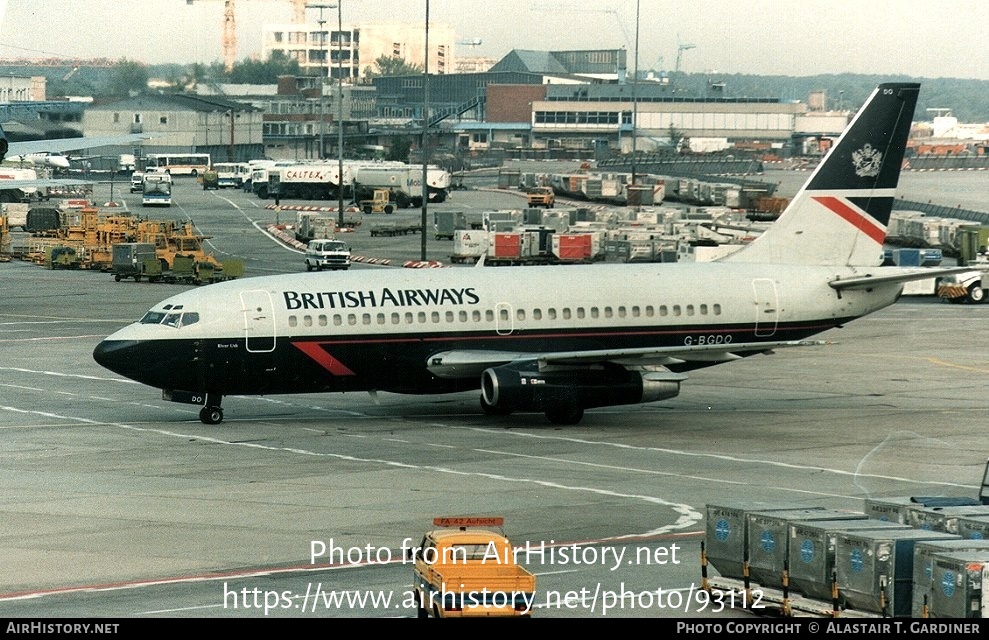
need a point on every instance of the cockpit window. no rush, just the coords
(172, 319)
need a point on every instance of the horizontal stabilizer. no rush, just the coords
(882, 276)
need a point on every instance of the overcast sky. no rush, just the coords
(918, 38)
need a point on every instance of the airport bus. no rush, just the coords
(157, 190)
(177, 164)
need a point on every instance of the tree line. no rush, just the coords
(964, 97)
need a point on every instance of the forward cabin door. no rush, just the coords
(259, 321)
(766, 307)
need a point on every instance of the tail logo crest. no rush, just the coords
(867, 161)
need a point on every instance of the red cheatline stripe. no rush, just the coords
(325, 360)
(861, 222)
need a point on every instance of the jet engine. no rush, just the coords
(564, 392)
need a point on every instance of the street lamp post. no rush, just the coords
(322, 144)
(340, 110)
(322, 98)
(425, 131)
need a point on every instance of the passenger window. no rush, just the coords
(307, 321)
(293, 321)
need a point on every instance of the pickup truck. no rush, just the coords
(464, 569)
(542, 197)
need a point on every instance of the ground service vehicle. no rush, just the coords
(231, 174)
(314, 181)
(326, 253)
(464, 570)
(137, 182)
(157, 190)
(542, 197)
(380, 202)
(971, 286)
(211, 180)
(184, 164)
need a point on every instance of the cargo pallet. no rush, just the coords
(394, 229)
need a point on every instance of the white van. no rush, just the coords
(325, 253)
(137, 182)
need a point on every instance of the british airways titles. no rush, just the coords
(295, 300)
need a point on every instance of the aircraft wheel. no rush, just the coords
(421, 611)
(308, 267)
(565, 415)
(976, 294)
(211, 415)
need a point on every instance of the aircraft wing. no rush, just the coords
(469, 363)
(42, 183)
(64, 145)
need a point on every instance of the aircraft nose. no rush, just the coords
(115, 355)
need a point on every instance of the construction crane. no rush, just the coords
(680, 49)
(230, 27)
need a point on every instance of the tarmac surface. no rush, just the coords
(119, 504)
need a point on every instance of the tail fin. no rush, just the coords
(840, 215)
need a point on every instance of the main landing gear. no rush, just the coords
(211, 413)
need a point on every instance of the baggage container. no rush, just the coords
(812, 551)
(769, 539)
(973, 527)
(943, 518)
(899, 508)
(960, 585)
(874, 569)
(726, 533)
(924, 554)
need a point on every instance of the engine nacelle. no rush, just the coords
(523, 387)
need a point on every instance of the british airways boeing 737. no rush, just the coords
(568, 339)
